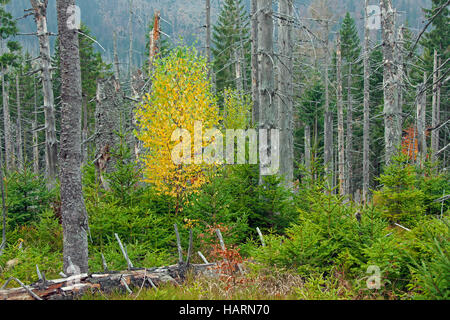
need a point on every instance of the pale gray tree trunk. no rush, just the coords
(392, 134)
(130, 35)
(19, 140)
(285, 92)
(268, 107)
(399, 61)
(107, 125)
(85, 133)
(116, 58)
(73, 210)
(328, 117)
(435, 110)
(35, 133)
(366, 111)
(4, 207)
(254, 61)
(7, 129)
(240, 50)
(308, 147)
(421, 100)
(238, 72)
(340, 107)
(51, 147)
(349, 144)
(208, 35)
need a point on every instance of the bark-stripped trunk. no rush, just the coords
(107, 113)
(268, 106)
(366, 121)
(208, 34)
(51, 147)
(328, 118)
(137, 85)
(116, 58)
(308, 148)
(241, 52)
(254, 61)
(35, 133)
(85, 132)
(74, 216)
(399, 53)
(4, 207)
(392, 132)
(421, 100)
(340, 106)
(130, 35)
(7, 130)
(435, 111)
(19, 140)
(349, 144)
(285, 92)
(238, 72)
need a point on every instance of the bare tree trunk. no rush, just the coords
(116, 58)
(285, 92)
(328, 118)
(308, 147)
(74, 216)
(435, 111)
(238, 72)
(51, 149)
(349, 145)
(7, 130)
(399, 52)
(107, 112)
(340, 106)
(392, 134)
(208, 33)
(4, 207)
(85, 132)
(130, 34)
(35, 133)
(421, 100)
(366, 122)
(239, 52)
(19, 140)
(268, 106)
(255, 79)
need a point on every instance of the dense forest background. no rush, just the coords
(183, 19)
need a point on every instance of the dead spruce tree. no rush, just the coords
(7, 129)
(254, 61)
(73, 211)
(268, 106)
(328, 116)
(19, 132)
(285, 91)
(107, 124)
(435, 112)
(340, 106)
(392, 116)
(421, 100)
(366, 109)
(51, 147)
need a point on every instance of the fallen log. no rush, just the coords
(75, 286)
